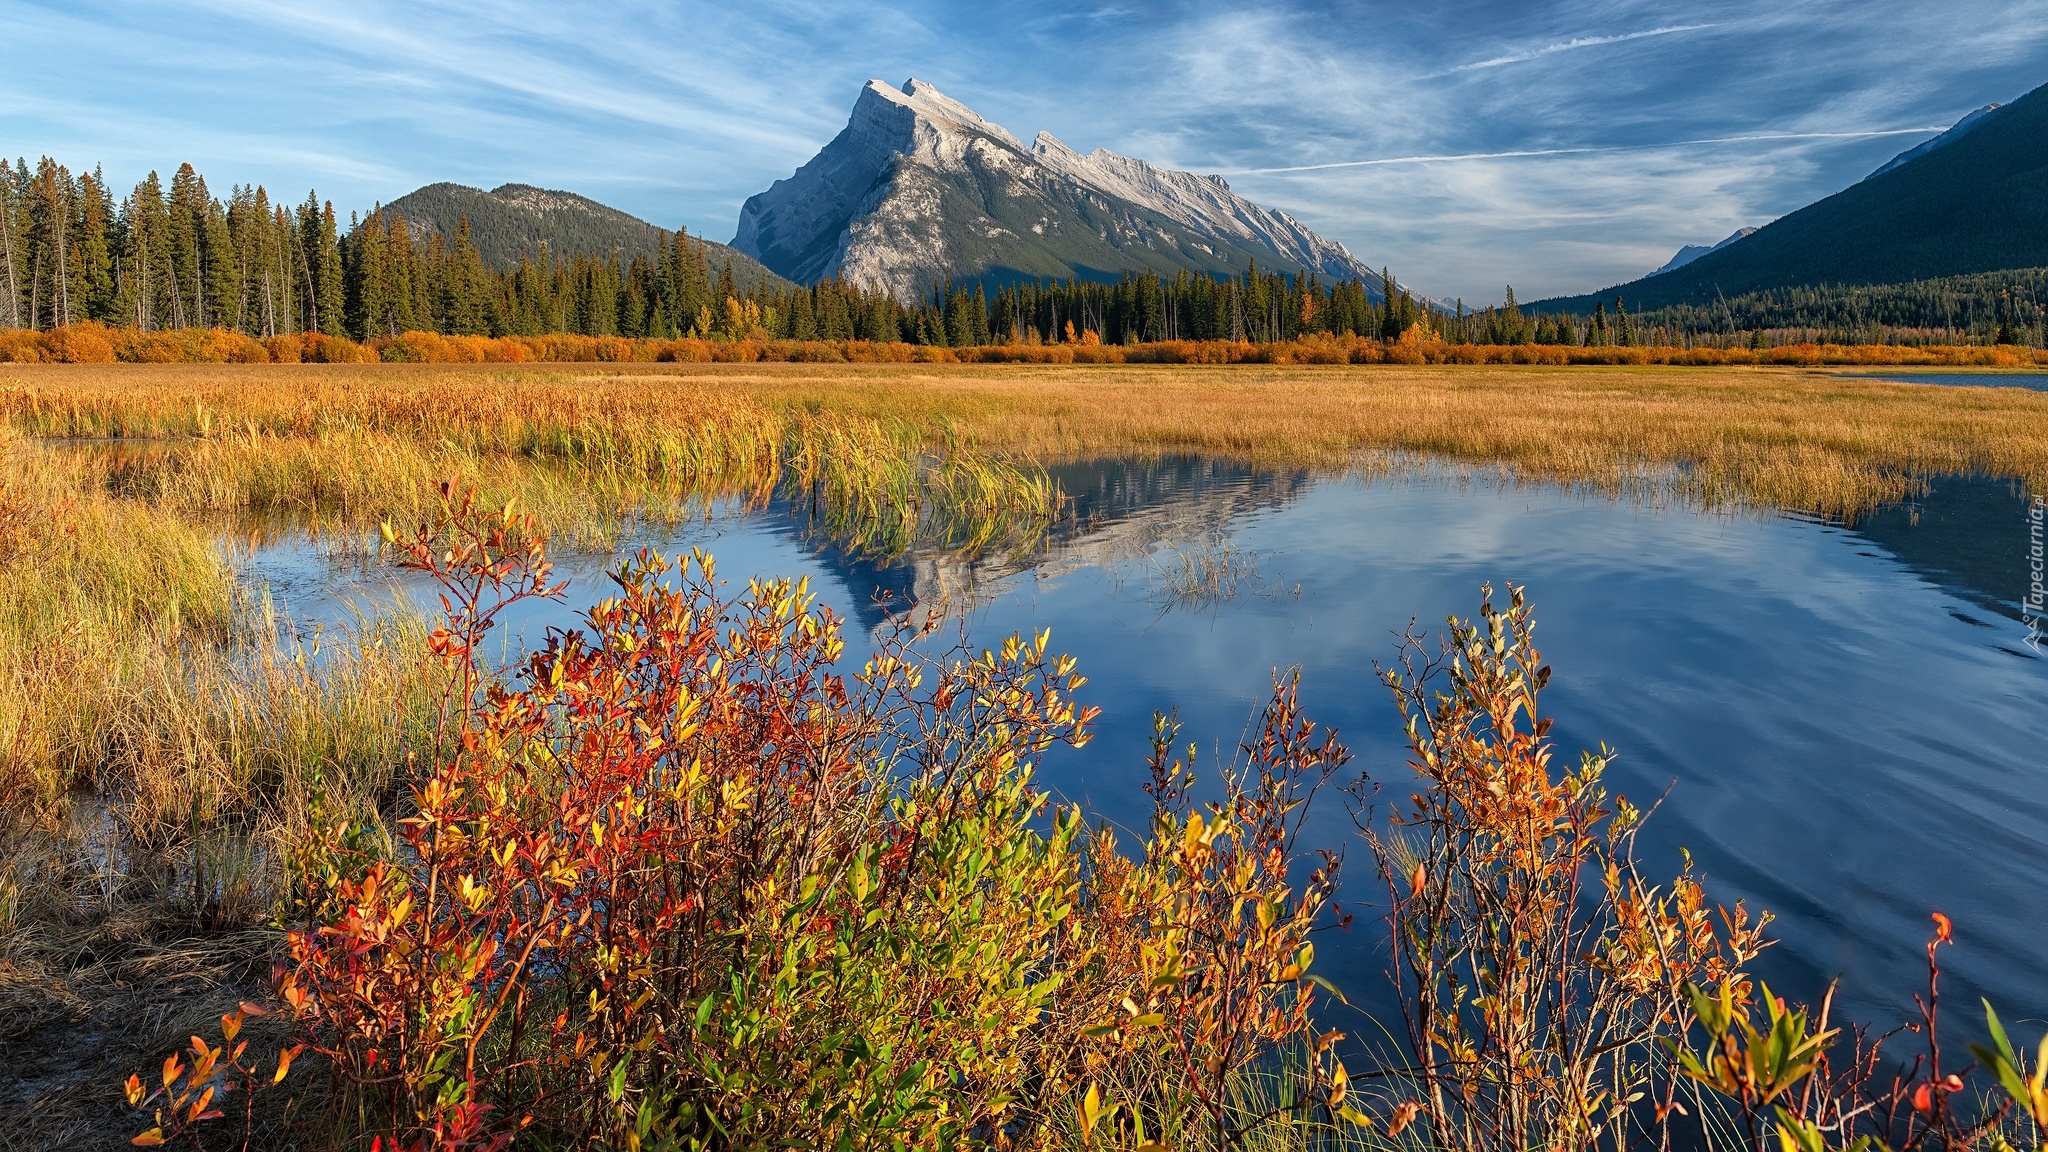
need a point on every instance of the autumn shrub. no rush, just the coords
(153, 348)
(420, 348)
(1539, 971)
(20, 346)
(322, 348)
(681, 883)
(879, 352)
(85, 343)
(1794, 1080)
(757, 345)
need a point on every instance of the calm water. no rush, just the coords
(1850, 722)
(2038, 381)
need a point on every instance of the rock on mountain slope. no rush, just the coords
(516, 219)
(1977, 203)
(1692, 252)
(919, 189)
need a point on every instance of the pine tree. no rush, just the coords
(92, 262)
(366, 281)
(323, 274)
(11, 240)
(183, 259)
(49, 210)
(803, 322)
(464, 304)
(221, 278)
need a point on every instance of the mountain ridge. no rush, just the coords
(514, 220)
(1955, 132)
(1977, 203)
(918, 189)
(1692, 252)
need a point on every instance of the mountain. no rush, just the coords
(512, 220)
(1692, 252)
(919, 189)
(1975, 203)
(1956, 132)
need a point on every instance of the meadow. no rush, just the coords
(658, 887)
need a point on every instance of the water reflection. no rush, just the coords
(1118, 512)
(1966, 534)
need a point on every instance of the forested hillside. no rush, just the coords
(515, 220)
(1979, 204)
(2008, 307)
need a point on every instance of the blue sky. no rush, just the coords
(1559, 147)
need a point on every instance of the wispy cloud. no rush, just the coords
(1573, 44)
(1524, 153)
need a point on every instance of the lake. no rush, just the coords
(1847, 722)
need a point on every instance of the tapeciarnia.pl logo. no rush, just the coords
(2034, 606)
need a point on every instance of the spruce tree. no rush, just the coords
(93, 249)
(11, 242)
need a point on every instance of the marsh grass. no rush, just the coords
(164, 741)
(1205, 574)
(589, 456)
(349, 443)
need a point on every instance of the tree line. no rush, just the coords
(177, 256)
(2004, 307)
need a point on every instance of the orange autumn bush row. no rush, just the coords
(98, 344)
(91, 343)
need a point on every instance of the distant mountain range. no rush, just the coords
(1692, 252)
(920, 190)
(1972, 200)
(512, 220)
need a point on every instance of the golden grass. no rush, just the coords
(356, 443)
(1790, 439)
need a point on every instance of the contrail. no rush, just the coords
(1576, 42)
(1528, 152)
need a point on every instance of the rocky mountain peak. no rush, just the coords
(919, 189)
(918, 100)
